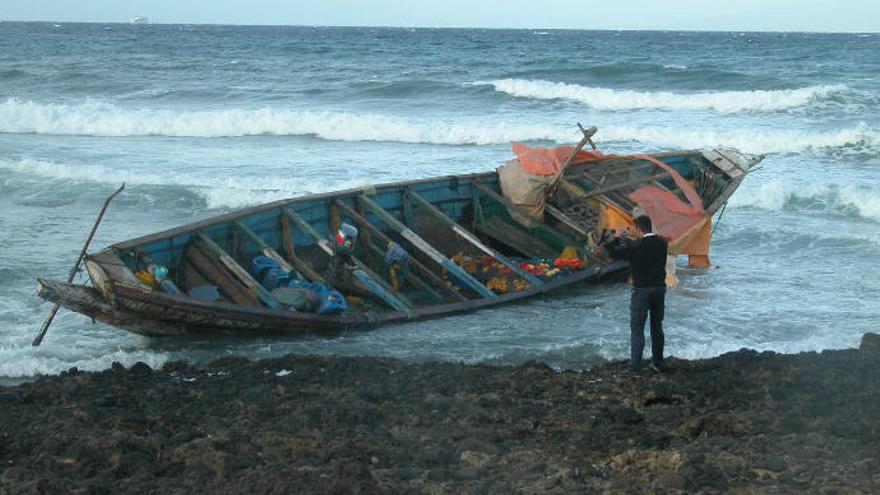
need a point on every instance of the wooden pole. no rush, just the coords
(588, 135)
(39, 339)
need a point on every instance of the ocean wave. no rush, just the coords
(720, 101)
(25, 362)
(856, 139)
(215, 192)
(105, 119)
(778, 195)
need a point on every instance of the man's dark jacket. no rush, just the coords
(646, 256)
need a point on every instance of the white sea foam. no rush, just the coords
(753, 140)
(778, 195)
(719, 101)
(106, 119)
(25, 361)
(217, 192)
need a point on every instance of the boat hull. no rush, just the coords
(214, 251)
(155, 314)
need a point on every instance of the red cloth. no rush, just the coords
(670, 216)
(548, 161)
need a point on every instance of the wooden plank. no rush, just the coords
(550, 231)
(505, 233)
(363, 273)
(597, 171)
(265, 248)
(211, 269)
(579, 192)
(417, 265)
(426, 248)
(410, 277)
(290, 250)
(620, 185)
(240, 273)
(471, 238)
(287, 237)
(114, 267)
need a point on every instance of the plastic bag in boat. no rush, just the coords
(267, 271)
(328, 301)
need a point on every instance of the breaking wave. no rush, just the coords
(857, 139)
(780, 195)
(722, 101)
(216, 192)
(22, 362)
(104, 119)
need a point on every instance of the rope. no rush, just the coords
(720, 216)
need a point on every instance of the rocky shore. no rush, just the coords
(744, 422)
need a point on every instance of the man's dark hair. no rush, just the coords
(644, 223)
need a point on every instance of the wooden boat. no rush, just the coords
(454, 228)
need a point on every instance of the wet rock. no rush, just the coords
(476, 459)
(870, 343)
(140, 369)
(625, 415)
(176, 366)
(771, 463)
(228, 362)
(6, 397)
(671, 480)
(745, 422)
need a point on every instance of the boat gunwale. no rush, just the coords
(251, 210)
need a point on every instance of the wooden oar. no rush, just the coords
(39, 340)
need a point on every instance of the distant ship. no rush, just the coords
(139, 19)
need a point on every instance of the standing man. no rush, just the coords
(647, 262)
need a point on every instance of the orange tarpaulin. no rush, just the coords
(525, 181)
(687, 225)
(548, 161)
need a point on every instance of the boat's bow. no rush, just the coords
(733, 162)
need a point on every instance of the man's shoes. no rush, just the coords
(632, 371)
(657, 368)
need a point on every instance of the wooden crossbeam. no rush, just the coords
(290, 250)
(239, 272)
(620, 185)
(363, 273)
(370, 229)
(471, 238)
(426, 248)
(580, 193)
(212, 270)
(264, 248)
(560, 237)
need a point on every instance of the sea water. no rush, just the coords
(202, 120)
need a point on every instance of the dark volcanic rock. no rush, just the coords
(870, 343)
(745, 422)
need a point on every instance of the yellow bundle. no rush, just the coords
(498, 284)
(569, 253)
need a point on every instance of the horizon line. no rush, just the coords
(794, 31)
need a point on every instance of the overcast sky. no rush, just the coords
(733, 15)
